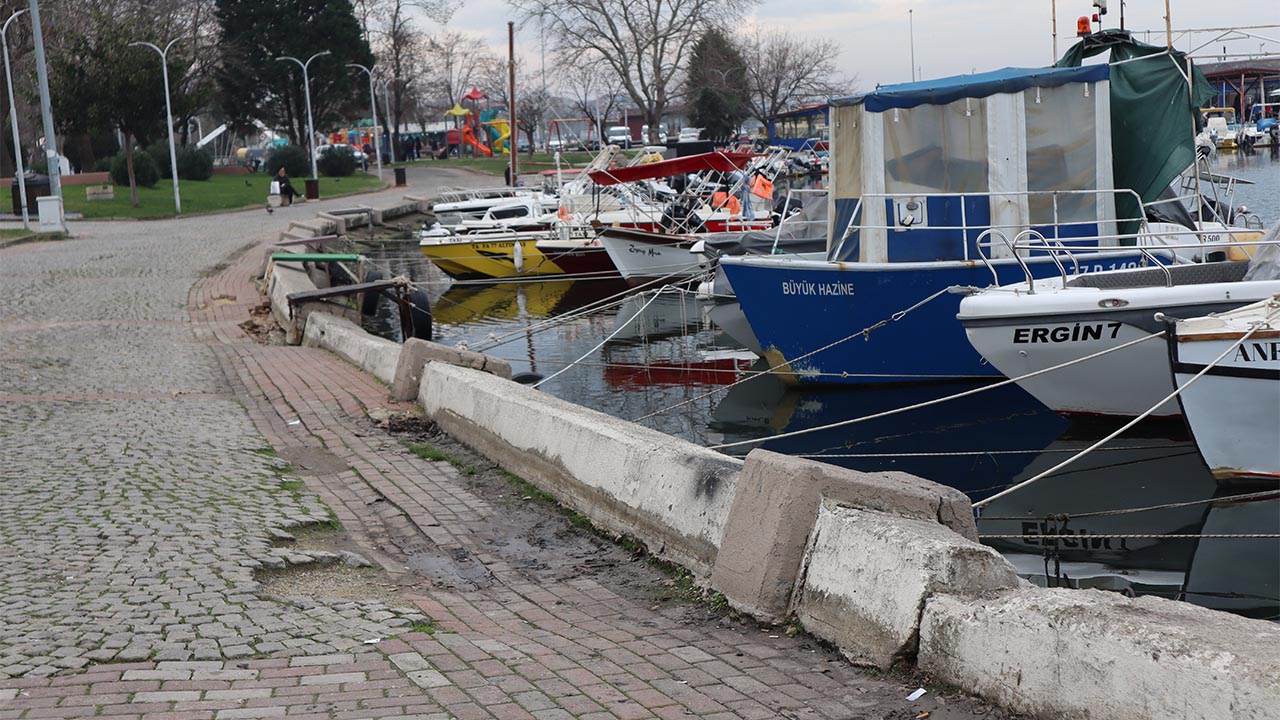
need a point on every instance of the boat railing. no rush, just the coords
(452, 195)
(795, 202)
(1057, 221)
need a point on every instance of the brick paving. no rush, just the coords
(144, 501)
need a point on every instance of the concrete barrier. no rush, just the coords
(376, 356)
(671, 494)
(1099, 655)
(416, 353)
(774, 509)
(394, 211)
(869, 574)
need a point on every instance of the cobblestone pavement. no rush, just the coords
(142, 492)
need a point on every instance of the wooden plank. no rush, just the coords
(315, 257)
(321, 294)
(306, 241)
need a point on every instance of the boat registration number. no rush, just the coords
(1079, 332)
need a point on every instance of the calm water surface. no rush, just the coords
(661, 361)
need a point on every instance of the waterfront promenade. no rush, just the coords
(168, 501)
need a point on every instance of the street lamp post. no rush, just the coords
(306, 87)
(373, 108)
(46, 113)
(13, 117)
(168, 114)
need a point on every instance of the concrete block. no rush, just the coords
(339, 223)
(1102, 656)
(671, 494)
(376, 356)
(774, 510)
(416, 353)
(419, 203)
(283, 280)
(868, 575)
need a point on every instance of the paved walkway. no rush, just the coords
(143, 496)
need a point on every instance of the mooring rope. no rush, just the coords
(1176, 391)
(1147, 508)
(601, 344)
(938, 401)
(1140, 536)
(865, 332)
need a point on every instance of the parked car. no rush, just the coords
(644, 136)
(689, 134)
(361, 159)
(619, 135)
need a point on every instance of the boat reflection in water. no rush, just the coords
(994, 439)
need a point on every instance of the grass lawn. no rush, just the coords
(221, 192)
(11, 233)
(528, 165)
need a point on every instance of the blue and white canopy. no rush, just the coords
(941, 91)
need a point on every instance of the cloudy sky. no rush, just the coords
(951, 36)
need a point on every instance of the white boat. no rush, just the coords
(1233, 409)
(1036, 325)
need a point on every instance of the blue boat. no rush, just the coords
(971, 180)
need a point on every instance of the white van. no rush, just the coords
(619, 135)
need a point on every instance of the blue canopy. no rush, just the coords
(949, 89)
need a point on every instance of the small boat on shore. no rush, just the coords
(1233, 409)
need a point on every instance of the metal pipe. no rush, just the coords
(515, 126)
(373, 108)
(13, 118)
(46, 112)
(168, 113)
(306, 87)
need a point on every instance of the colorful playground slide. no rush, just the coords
(469, 138)
(500, 133)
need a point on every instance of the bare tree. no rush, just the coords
(590, 90)
(643, 42)
(784, 71)
(455, 59)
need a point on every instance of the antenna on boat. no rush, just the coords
(911, 24)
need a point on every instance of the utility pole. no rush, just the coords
(306, 87)
(13, 117)
(373, 108)
(515, 126)
(46, 113)
(168, 114)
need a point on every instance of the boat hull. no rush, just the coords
(1021, 334)
(641, 261)
(1233, 410)
(491, 258)
(796, 307)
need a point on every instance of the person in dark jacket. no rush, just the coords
(287, 193)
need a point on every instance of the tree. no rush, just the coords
(455, 60)
(641, 41)
(255, 86)
(590, 90)
(99, 80)
(783, 71)
(717, 81)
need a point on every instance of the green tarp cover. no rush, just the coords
(1154, 117)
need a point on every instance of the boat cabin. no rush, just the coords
(925, 171)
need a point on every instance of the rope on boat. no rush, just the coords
(1176, 391)
(1264, 494)
(865, 332)
(1140, 536)
(973, 453)
(600, 345)
(938, 401)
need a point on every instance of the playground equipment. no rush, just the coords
(469, 138)
(500, 134)
(562, 131)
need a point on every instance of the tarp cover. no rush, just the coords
(717, 161)
(1154, 119)
(978, 85)
(1265, 264)
(804, 232)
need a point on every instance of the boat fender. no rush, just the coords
(517, 255)
(527, 378)
(369, 300)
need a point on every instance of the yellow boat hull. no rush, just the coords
(490, 259)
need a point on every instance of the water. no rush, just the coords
(660, 360)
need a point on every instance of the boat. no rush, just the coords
(1233, 407)
(933, 185)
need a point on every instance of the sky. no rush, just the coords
(951, 36)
